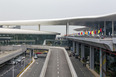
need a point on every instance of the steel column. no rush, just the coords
(91, 57)
(104, 64)
(82, 51)
(101, 71)
(73, 46)
(67, 28)
(112, 28)
(77, 48)
(104, 28)
(39, 27)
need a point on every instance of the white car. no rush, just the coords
(35, 57)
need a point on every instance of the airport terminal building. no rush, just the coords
(97, 44)
(18, 36)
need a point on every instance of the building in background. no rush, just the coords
(18, 36)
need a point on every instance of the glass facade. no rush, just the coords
(63, 43)
(108, 28)
(26, 39)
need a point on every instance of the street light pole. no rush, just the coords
(13, 68)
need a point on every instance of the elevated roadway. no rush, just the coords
(106, 43)
(9, 55)
(57, 65)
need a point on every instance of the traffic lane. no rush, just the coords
(4, 68)
(35, 69)
(17, 69)
(80, 70)
(57, 65)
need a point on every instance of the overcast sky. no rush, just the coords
(45, 9)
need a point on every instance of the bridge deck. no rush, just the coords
(57, 65)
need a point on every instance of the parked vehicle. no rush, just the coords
(12, 62)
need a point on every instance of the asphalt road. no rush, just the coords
(80, 69)
(35, 69)
(57, 65)
(7, 69)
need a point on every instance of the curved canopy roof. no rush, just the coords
(21, 31)
(62, 21)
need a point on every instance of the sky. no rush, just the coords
(50, 9)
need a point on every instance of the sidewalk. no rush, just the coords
(80, 69)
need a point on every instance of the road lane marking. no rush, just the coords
(8, 71)
(57, 68)
(26, 68)
(57, 72)
(57, 64)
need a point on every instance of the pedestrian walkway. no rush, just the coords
(80, 69)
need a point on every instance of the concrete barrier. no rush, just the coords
(10, 56)
(72, 70)
(43, 72)
(74, 74)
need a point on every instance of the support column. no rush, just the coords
(104, 64)
(92, 57)
(82, 51)
(112, 28)
(73, 46)
(31, 53)
(67, 28)
(101, 71)
(39, 27)
(77, 50)
(104, 28)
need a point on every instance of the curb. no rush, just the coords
(26, 68)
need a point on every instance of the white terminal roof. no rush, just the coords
(22, 31)
(62, 21)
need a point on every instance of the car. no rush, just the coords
(35, 57)
(19, 59)
(12, 62)
(23, 58)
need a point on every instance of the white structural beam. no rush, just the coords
(39, 27)
(62, 21)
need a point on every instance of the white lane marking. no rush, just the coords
(58, 75)
(57, 64)
(7, 71)
(57, 68)
(57, 72)
(36, 62)
(33, 60)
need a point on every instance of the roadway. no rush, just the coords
(57, 65)
(35, 69)
(7, 55)
(80, 69)
(7, 69)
